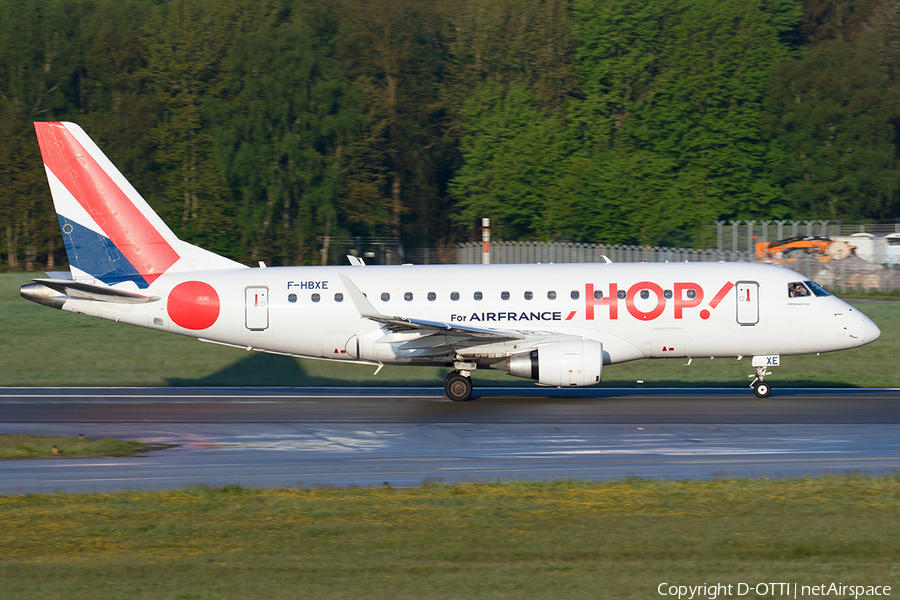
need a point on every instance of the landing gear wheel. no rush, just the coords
(457, 387)
(762, 389)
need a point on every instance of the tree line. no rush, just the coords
(255, 129)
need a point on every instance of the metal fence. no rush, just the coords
(852, 273)
(741, 235)
(868, 273)
(570, 252)
(374, 250)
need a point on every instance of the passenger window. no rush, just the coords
(292, 298)
(478, 295)
(575, 295)
(432, 296)
(797, 290)
(529, 295)
(691, 294)
(385, 296)
(338, 297)
(598, 295)
(667, 294)
(408, 296)
(504, 295)
(454, 296)
(551, 295)
(620, 294)
(315, 298)
(645, 294)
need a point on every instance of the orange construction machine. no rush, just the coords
(790, 249)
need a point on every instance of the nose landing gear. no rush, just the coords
(458, 386)
(760, 387)
(761, 363)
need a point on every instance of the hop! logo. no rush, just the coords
(684, 295)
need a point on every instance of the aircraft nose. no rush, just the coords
(869, 331)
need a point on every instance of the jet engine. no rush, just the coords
(569, 363)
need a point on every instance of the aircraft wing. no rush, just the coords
(367, 311)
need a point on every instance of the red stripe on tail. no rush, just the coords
(105, 201)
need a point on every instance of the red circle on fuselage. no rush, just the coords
(193, 305)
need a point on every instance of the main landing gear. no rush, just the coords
(760, 387)
(458, 386)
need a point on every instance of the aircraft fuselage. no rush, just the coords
(636, 310)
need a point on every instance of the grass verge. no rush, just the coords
(36, 446)
(42, 346)
(566, 539)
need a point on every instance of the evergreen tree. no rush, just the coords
(512, 42)
(511, 172)
(681, 85)
(282, 128)
(186, 41)
(397, 58)
(37, 65)
(831, 121)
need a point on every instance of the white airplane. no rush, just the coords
(556, 324)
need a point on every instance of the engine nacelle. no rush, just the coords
(570, 363)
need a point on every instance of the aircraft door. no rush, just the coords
(256, 308)
(747, 302)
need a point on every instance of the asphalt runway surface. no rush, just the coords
(409, 436)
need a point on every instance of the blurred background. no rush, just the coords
(299, 131)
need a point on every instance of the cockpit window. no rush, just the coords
(817, 289)
(797, 290)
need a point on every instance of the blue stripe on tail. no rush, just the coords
(97, 255)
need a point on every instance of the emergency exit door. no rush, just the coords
(747, 302)
(256, 307)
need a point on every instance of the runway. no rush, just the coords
(408, 436)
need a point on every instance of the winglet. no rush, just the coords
(367, 311)
(365, 308)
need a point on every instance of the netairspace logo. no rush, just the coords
(774, 590)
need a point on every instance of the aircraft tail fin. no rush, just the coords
(110, 232)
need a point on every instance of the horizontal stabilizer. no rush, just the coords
(85, 291)
(60, 275)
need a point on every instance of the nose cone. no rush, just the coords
(869, 331)
(859, 328)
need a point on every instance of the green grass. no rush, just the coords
(35, 446)
(43, 346)
(504, 540)
(893, 296)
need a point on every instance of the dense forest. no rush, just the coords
(256, 128)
